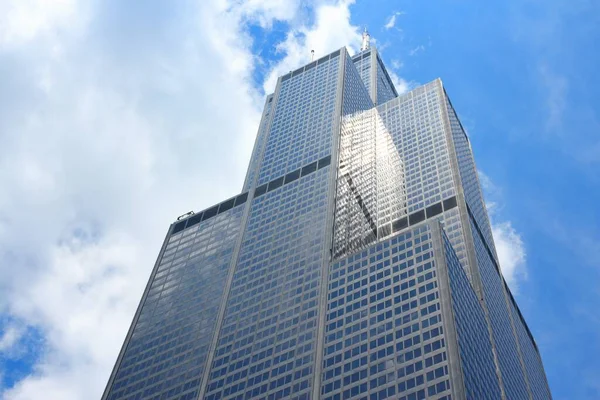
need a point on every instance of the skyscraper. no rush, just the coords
(358, 261)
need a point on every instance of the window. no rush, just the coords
(416, 217)
(226, 205)
(211, 212)
(274, 184)
(262, 189)
(312, 167)
(434, 210)
(450, 203)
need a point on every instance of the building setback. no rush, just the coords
(357, 263)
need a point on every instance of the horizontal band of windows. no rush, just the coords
(292, 176)
(421, 215)
(416, 217)
(364, 55)
(310, 65)
(196, 218)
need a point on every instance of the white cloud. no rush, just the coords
(401, 85)
(266, 11)
(511, 252)
(23, 20)
(112, 126)
(330, 31)
(104, 143)
(508, 242)
(10, 337)
(391, 22)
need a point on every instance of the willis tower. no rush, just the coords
(356, 263)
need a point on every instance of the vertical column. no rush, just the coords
(454, 362)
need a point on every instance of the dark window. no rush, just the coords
(399, 224)
(450, 203)
(241, 199)
(194, 220)
(274, 184)
(325, 161)
(335, 54)
(286, 77)
(292, 176)
(307, 169)
(322, 60)
(311, 65)
(211, 212)
(259, 191)
(416, 217)
(434, 210)
(178, 227)
(226, 205)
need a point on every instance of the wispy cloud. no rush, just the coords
(556, 86)
(511, 252)
(391, 21)
(10, 336)
(552, 34)
(397, 64)
(416, 50)
(508, 241)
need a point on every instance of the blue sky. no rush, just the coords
(116, 117)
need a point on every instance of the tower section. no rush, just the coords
(358, 261)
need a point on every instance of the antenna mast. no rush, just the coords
(366, 40)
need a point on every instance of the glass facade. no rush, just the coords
(259, 144)
(531, 358)
(304, 118)
(474, 344)
(374, 76)
(166, 353)
(418, 129)
(468, 176)
(504, 338)
(363, 64)
(266, 344)
(385, 88)
(370, 183)
(357, 263)
(384, 335)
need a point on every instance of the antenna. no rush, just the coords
(366, 40)
(312, 55)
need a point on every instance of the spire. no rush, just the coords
(366, 40)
